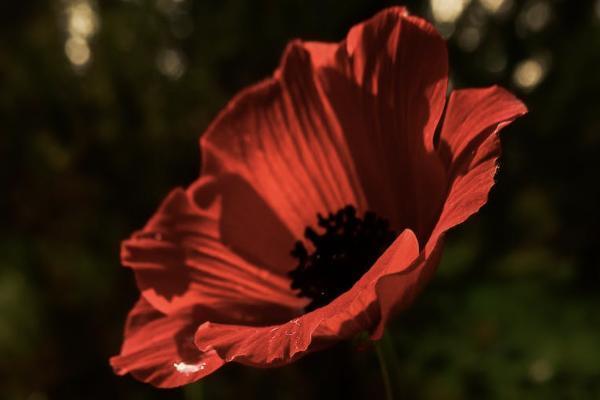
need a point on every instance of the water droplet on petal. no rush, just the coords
(187, 369)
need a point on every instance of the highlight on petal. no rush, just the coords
(351, 313)
(158, 349)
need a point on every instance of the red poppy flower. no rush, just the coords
(339, 129)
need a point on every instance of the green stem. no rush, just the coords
(390, 351)
(385, 373)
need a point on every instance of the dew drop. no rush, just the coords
(187, 369)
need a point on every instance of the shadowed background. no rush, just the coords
(101, 106)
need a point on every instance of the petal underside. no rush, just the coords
(352, 312)
(158, 349)
(469, 145)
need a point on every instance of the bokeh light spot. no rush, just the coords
(81, 24)
(447, 11)
(528, 74)
(82, 20)
(535, 16)
(469, 39)
(170, 63)
(77, 51)
(496, 6)
(491, 5)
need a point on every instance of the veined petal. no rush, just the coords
(247, 224)
(282, 137)
(337, 124)
(470, 147)
(386, 84)
(179, 262)
(349, 314)
(158, 348)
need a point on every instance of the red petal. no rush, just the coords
(158, 349)
(387, 87)
(282, 137)
(248, 226)
(396, 292)
(349, 314)
(180, 261)
(389, 129)
(335, 119)
(470, 146)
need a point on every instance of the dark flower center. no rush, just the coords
(346, 249)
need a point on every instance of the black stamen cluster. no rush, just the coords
(346, 249)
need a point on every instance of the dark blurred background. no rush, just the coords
(101, 107)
